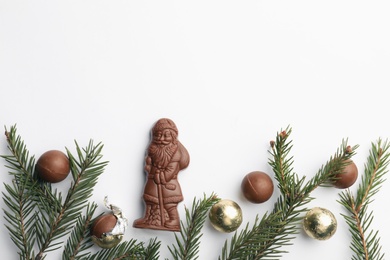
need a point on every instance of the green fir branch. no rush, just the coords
(126, 250)
(20, 217)
(366, 243)
(85, 169)
(22, 165)
(80, 239)
(328, 173)
(277, 229)
(38, 216)
(280, 163)
(152, 250)
(250, 241)
(20, 196)
(190, 234)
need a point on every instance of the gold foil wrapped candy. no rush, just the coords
(320, 223)
(107, 230)
(225, 216)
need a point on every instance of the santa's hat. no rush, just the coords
(165, 123)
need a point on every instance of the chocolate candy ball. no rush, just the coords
(347, 177)
(257, 187)
(53, 166)
(101, 231)
(103, 224)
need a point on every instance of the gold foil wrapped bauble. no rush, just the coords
(320, 223)
(257, 187)
(53, 166)
(225, 216)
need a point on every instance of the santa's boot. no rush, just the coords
(174, 220)
(143, 222)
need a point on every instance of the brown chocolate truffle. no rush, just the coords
(257, 187)
(53, 166)
(347, 177)
(103, 224)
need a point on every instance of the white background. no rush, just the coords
(231, 74)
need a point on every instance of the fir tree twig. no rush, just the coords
(365, 243)
(188, 243)
(278, 228)
(80, 239)
(152, 250)
(20, 197)
(250, 241)
(37, 216)
(20, 217)
(129, 250)
(56, 222)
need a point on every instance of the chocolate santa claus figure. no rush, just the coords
(166, 156)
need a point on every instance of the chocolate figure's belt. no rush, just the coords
(172, 199)
(168, 186)
(151, 176)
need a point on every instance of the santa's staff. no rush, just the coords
(160, 198)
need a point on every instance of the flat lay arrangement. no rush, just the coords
(38, 216)
(194, 130)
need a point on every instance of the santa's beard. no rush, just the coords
(161, 155)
